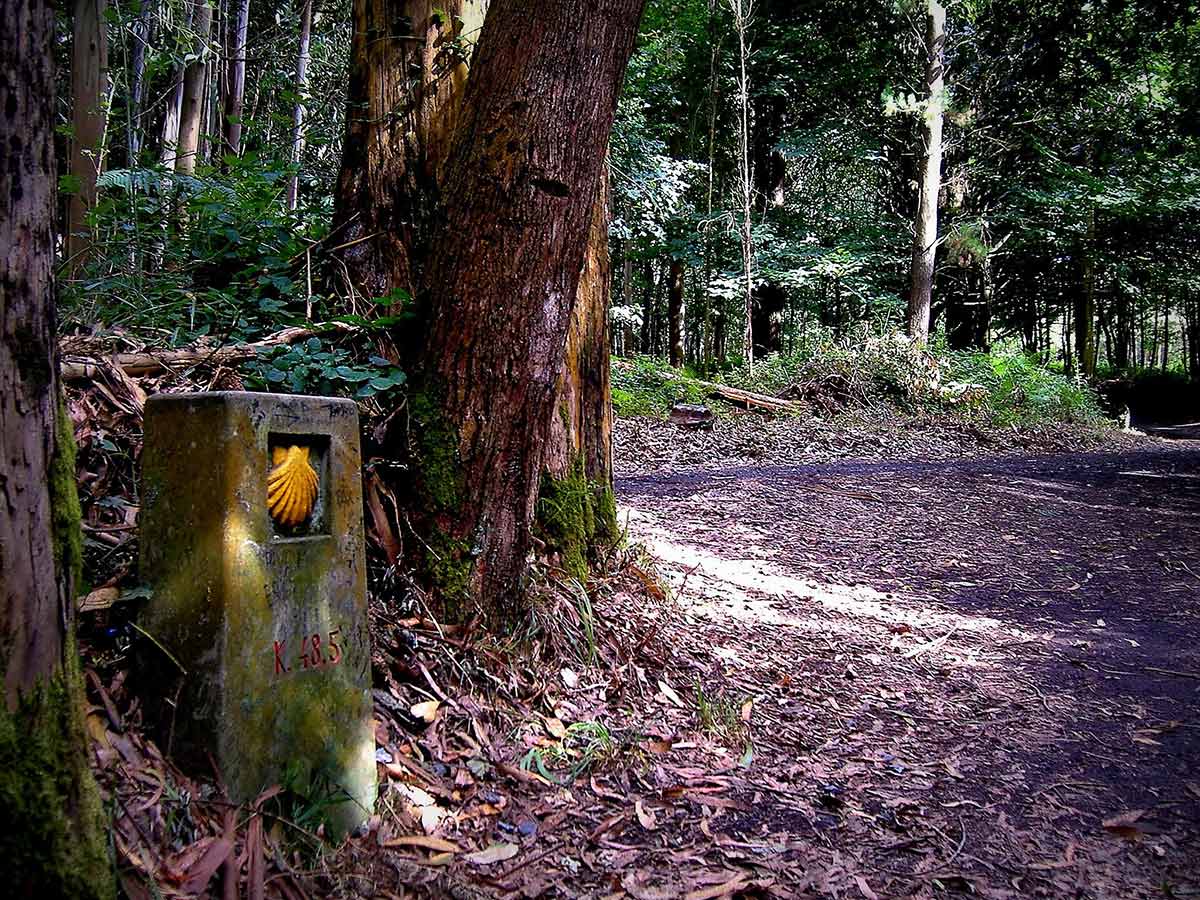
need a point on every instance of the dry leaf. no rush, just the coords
(670, 694)
(493, 854)
(1123, 823)
(426, 710)
(423, 840)
(645, 816)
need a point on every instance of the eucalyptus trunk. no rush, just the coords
(191, 113)
(235, 77)
(89, 84)
(407, 79)
(518, 199)
(302, 56)
(52, 836)
(926, 227)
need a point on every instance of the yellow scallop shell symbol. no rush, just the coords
(291, 486)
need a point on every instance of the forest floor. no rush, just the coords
(969, 675)
(926, 662)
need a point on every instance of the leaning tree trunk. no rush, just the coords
(519, 194)
(89, 82)
(192, 110)
(925, 236)
(397, 133)
(51, 827)
(140, 42)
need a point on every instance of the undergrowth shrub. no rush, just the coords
(1004, 387)
(644, 386)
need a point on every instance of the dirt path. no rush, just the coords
(974, 676)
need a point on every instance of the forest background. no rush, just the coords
(202, 148)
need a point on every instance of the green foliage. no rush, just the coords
(645, 386)
(720, 715)
(180, 257)
(832, 375)
(583, 747)
(1017, 390)
(317, 367)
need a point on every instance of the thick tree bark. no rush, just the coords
(306, 17)
(522, 181)
(675, 311)
(398, 131)
(194, 78)
(51, 828)
(925, 236)
(235, 75)
(89, 83)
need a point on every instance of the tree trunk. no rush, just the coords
(743, 11)
(675, 311)
(191, 112)
(925, 236)
(521, 185)
(51, 826)
(235, 75)
(140, 37)
(577, 514)
(648, 310)
(1085, 304)
(397, 133)
(306, 17)
(89, 83)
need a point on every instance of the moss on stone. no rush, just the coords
(574, 516)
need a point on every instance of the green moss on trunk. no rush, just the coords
(446, 559)
(575, 517)
(52, 829)
(52, 826)
(64, 501)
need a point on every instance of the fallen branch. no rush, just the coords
(78, 366)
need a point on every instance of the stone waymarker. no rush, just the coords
(252, 544)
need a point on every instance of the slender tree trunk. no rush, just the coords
(306, 16)
(521, 185)
(743, 13)
(675, 311)
(1085, 305)
(235, 76)
(89, 84)
(926, 231)
(51, 826)
(194, 79)
(140, 42)
(648, 311)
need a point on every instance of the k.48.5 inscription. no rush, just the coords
(313, 653)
